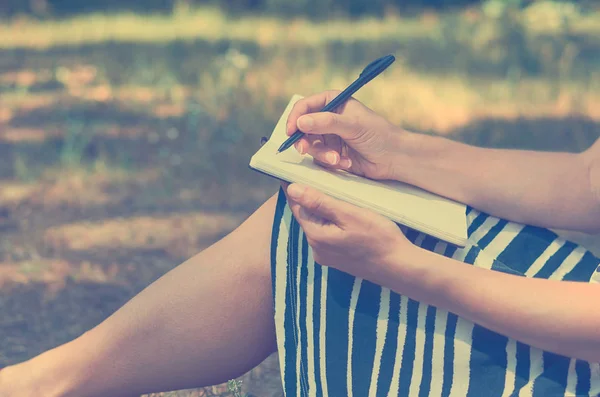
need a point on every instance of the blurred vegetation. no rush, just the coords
(311, 8)
(320, 9)
(125, 137)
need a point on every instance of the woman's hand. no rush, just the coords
(354, 139)
(351, 239)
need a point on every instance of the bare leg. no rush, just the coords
(205, 322)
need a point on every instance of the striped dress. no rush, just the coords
(338, 335)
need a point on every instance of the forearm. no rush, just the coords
(555, 316)
(538, 188)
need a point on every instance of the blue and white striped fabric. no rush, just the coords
(338, 335)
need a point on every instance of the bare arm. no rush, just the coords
(556, 316)
(205, 322)
(554, 190)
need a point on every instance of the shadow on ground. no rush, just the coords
(442, 52)
(568, 134)
(142, 180)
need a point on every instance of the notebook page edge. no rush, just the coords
(260, 161)
(456, 237)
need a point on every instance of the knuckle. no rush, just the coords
(332, 119)
(316, 203)
(297, 106)
(332, 94)
(300, 107)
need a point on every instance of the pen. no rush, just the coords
(368, 74)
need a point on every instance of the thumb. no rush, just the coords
(320, 204)
(330, 123)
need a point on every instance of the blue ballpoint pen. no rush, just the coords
(368, 74)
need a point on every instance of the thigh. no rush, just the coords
(205, 322)
(337, 333)
(225, 301)
(525, 250)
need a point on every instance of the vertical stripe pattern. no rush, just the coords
(339, 335)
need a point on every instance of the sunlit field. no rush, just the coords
(125, 139)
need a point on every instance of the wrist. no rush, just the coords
(415, 272)
(439, 165)
(408, 149)
(403, 265)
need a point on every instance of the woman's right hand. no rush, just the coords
(354, 138)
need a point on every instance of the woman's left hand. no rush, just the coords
(346, 237)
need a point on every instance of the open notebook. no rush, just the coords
(402, 203)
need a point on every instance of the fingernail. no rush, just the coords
(306, 122)
(295, 191)
(345, 163)
(331, 158)
(299, 147)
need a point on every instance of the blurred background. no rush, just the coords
(126, 126)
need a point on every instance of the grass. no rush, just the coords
(208, 24)
(211, 24)
(131, 134)
(456, 68)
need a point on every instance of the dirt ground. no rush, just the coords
(77, 242)
(122, 157)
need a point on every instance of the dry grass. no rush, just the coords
(208, 24)
(212, 24)
(131, 134)
(446, 76)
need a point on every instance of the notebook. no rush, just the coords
(400, 202)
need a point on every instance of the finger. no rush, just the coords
(321, 205)
(302, 145)
(294, 206)
(310, 222)
(315, 227)
(345, 163)
(322, 153)
(311, 104)
(328, 123)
